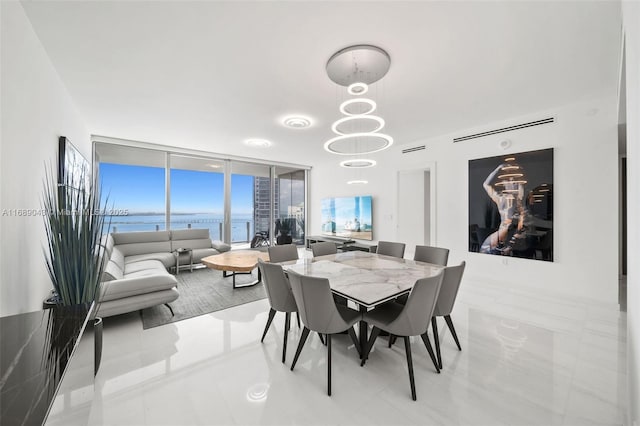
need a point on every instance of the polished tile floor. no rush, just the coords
(527, 359)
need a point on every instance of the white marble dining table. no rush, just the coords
(367, 279)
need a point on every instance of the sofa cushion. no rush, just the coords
(141, 282)
(107, 243)
(220, 246)
(134, 303)
(133, 243)
(140, 237)
(167, 259)
(190, 238)
(190, 234)
(144, 265)
(117, 257)
(112, 272)
(198, 254)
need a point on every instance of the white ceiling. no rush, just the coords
(207, 75)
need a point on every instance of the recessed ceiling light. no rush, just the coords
(261, 143)
(357, 89)
(358, 163)
(214, 166)
(297, 122)
(357, 182)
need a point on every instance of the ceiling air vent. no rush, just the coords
(505, 129)
(414, 149)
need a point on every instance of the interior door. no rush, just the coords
(414, 209)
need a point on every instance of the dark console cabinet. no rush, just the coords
(47, 367)
(343, 244)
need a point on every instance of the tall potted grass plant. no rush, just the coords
(74, 222)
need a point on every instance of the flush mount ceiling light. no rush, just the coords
(297, 122)
(260, 143)
(357, 182)
(357, 89)
(358, 163)
(214, 166)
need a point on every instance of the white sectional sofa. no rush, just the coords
(136, 273)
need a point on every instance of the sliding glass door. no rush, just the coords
(233, 198)
(250, 200)
(133, 186)
(290, 209)
(197, 194)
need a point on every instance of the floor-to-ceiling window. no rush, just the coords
(290, 211)
(250, 200)
(233, 198)
(134, 188)
(196, 188)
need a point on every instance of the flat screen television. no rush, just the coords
(348, 217)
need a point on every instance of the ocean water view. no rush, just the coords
(242, 226)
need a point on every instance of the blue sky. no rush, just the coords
(141, 189)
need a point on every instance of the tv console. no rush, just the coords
(343, 244)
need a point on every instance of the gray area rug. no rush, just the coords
(201, 292)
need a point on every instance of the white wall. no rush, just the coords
(631, 19)
(36, 110)
(584, 139)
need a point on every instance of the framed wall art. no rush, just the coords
(511, 205)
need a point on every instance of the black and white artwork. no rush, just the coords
(511, 205)
(73, 169)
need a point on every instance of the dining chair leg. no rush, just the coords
(365, 352)
(272, 313)
(427, 344)
(407, 348)
(329, 364)
(436, 340)
(321, 339)
(303, 339)
(447, 318)
(298, 318)
(287, 324)
(392, 340)
(354, 339)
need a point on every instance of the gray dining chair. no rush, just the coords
(320, 313)
(323, 248)
(389, 248)
(407, 320)
(444, 306)
(280, 298)
(283, 253)
(429, 254)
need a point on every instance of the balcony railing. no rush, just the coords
(241, 229)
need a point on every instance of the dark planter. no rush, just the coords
(73, 316)
(284, 239)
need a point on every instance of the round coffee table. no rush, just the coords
(238, 262)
